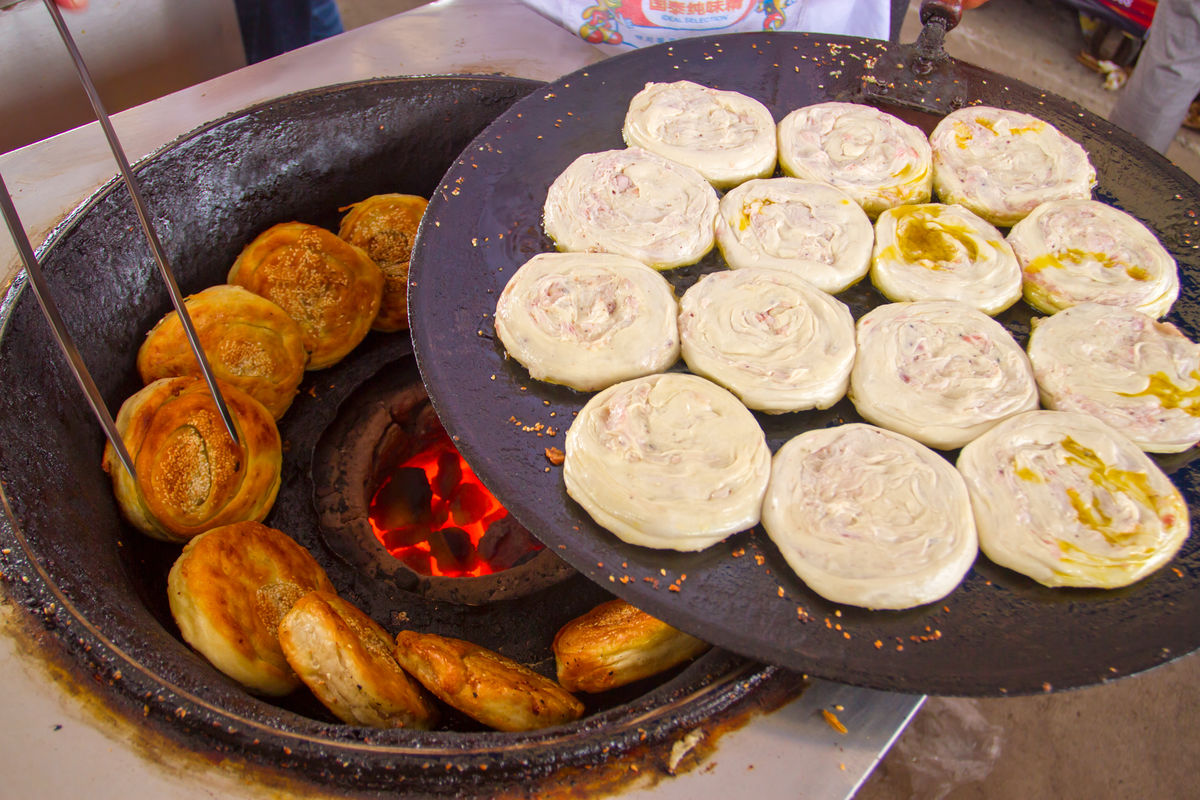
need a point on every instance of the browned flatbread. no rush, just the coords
(191, 477)
(346, 659)
(384, 225)
(248, 340)
(484, 685)
(615, 644)
(228, 591)
(331, 288)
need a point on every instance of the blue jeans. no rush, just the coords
(271, 27)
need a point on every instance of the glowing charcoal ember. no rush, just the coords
(506, 544)
(453, 550)
(403, 500)
(433, 514)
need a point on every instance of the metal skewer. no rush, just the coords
(50, 310)
(147, 227)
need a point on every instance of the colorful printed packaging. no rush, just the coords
(625, 24)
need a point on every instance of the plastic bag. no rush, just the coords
(949, 744)
(625, 24)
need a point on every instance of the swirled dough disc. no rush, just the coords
(228, 591)
(932, 251)
(330, 287)
(773, 339)
(1140, 376)
(938, 371)
(812, 229)
(384, 226)
(191, 477)
(249, 342)
(1085, 251)
(869, 517)
(634, 203)
(588, 320)
(1068, 501)
(727, 137)
(669, 461)
(1002, 164)
(876, 158)
(345, 658)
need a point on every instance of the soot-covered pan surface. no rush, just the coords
(998, 633)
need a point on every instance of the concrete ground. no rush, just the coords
(1135, 738)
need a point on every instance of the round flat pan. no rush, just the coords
(998, 633)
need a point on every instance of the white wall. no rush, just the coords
(135, 50)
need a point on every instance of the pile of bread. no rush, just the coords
(261, 609)
(298, 298)
(248, 597)
(1052, 479)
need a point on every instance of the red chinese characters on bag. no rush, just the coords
(643, 22)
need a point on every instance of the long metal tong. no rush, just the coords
(41, 289)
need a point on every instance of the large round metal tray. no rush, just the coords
(998, 633)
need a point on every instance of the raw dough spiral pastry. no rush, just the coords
(1081, 251)
(938, 371)
(812, 229)
(330, 287)
(1140, 376)
(878, 159)
(771, 338)
(727, 137)
(1068, 501)
(932, 251)
(633, 203)
(588, 320)
(384, 226)
(869, 517)
(1002, 164)
(669, 461)
(228, 591)
(248, 340)
(190, 475)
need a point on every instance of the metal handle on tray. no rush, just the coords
(948, 11)
(938, 17)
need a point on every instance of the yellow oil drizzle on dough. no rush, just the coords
(922, 237)
(1073, 255)
(1170, 395)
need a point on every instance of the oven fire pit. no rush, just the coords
(397, 500)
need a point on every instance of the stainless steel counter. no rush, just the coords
(57, 742)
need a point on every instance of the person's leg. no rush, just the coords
(1166, 77)
(326, 20)
(271, 27)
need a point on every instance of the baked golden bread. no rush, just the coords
(191, 477)
(346, 659)
(615, 644)
(248, 340)
(228, 591)
(384, 225)
(331, 288)
(485, 685)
